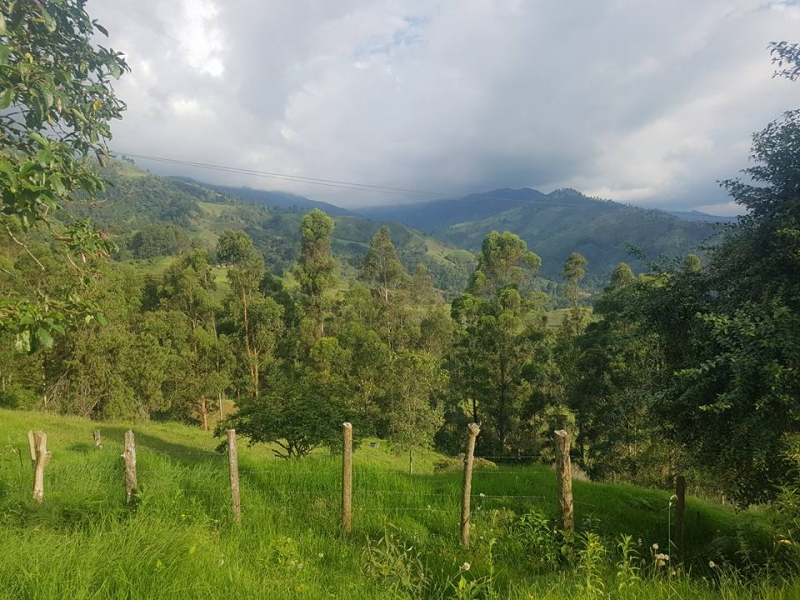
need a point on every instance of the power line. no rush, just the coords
(340, 184)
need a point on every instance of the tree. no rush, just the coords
(729, 328)
(495, 338)
(245, 273)
(502, 263)
(415, 412)
(573, 273)
(786, 57)
(381, 267)
(315, 267)
(57, 102)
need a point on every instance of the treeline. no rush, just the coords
(687, 368)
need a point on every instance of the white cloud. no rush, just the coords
(628, 99)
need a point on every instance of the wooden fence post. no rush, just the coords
(347, 477)
(680, 526)
(42, 460)
(98, 443)
(32, 448)
(233, 465)
(564, 479)
(469, 460)
(129, 456)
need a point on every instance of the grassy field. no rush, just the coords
(181, 541)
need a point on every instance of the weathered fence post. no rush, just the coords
(347, 477)
(233, 464)
(410, 461)
(564, 479)
(42, 460)
(98, 443)
(129, 456)
(469, 460)
(32, 448)
(680, 510)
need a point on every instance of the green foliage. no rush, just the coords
(53, 79)
(300, 411)
(56, 102)
(159, 239)
(728, 328)
(382, 267)
(181, 542)
(395, 565)
(786, 57)
(498, 331)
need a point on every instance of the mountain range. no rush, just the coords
(443, 234)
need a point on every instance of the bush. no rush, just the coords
(18, 397)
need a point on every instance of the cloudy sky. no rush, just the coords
(642, 101)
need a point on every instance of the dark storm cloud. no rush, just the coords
(639, 101)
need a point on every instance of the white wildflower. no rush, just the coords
(465, 566)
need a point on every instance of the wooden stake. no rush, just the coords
(680, 511)
(410, 461)
(129, 456)
(564, 479)
(233, 465)
(347, 477)
(469, 460)
(203, 414)
(32, 448)
(98, 443)
(42, 460)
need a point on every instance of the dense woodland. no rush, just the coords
(120, 300)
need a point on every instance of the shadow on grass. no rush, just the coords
(144, 441)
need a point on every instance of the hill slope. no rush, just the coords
(555, 225)
(271, 198)
(142, 210)
(180, 540)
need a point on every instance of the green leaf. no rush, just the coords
(2, 24)
(6, 96)
(57, 184)
(22, 342)
(49, 21)
(100, 28)
(5, 51)
(44, 337)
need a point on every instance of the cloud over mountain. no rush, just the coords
(638, 101)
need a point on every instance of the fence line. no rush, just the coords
(357, 487)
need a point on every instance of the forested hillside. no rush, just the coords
(555, 225)
(152, 217)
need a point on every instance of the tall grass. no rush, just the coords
(180, 540)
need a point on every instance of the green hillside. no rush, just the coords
(151, 216)
(180, 540)
(555, 225)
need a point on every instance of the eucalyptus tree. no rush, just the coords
(315, 270)
(495, 338)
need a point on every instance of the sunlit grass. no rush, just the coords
(181, 541)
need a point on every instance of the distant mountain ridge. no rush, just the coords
(555, 225)
(273, 199)
(696, 215)
(175, 214)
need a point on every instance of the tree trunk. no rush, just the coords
(203, 413)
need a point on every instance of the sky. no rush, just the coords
(640, 101)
